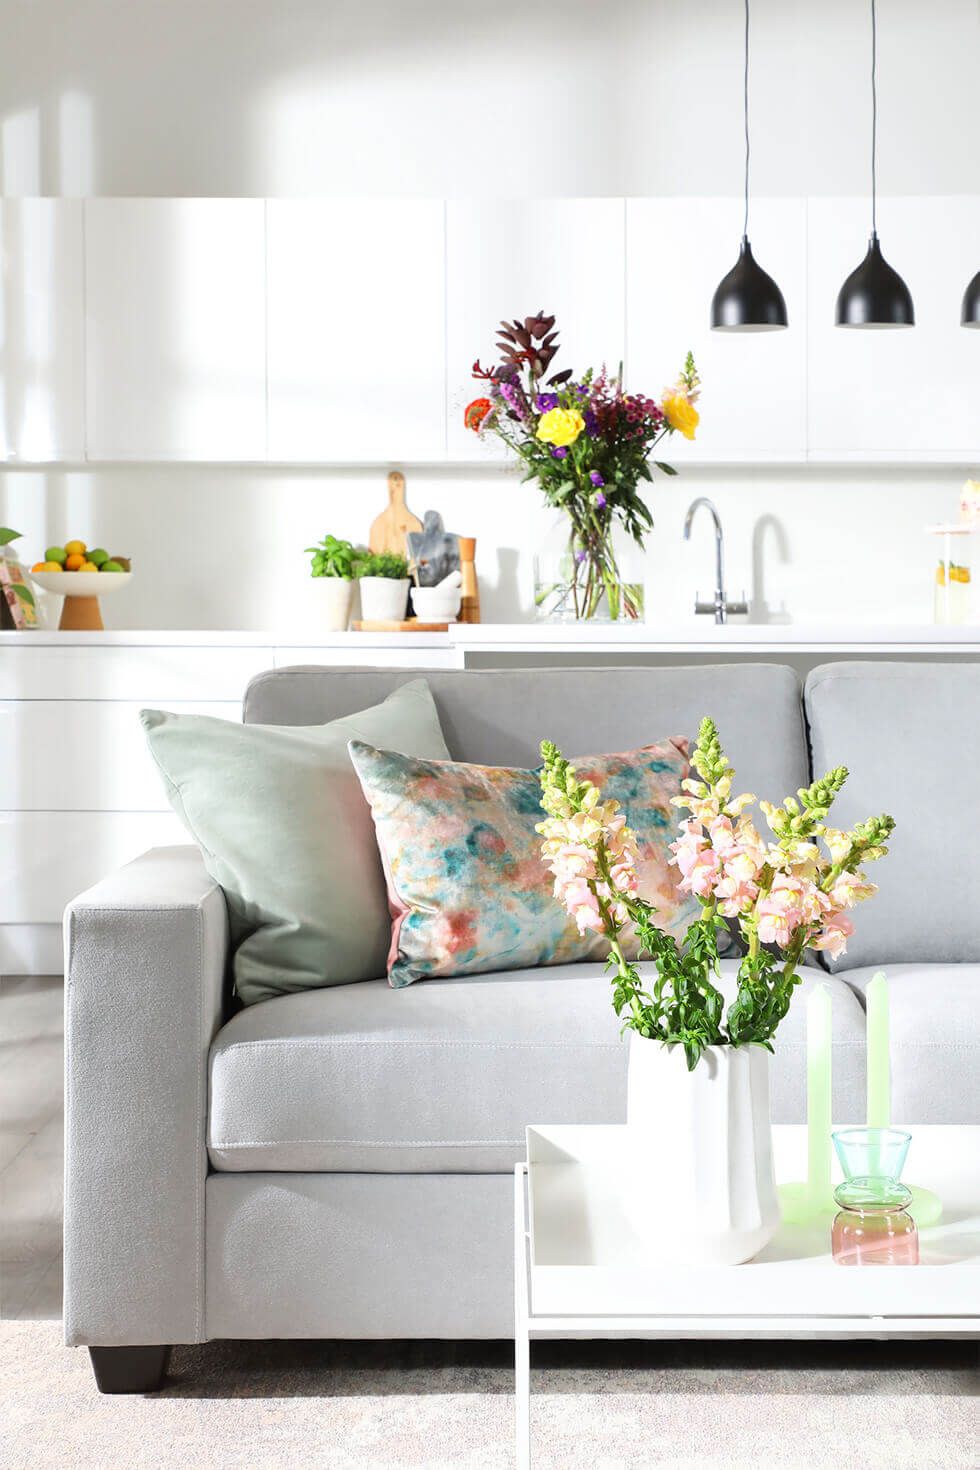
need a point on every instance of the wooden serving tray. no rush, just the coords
(397, 625)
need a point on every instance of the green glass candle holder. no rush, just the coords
(872, 1153)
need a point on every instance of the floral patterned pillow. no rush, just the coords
(467, 888)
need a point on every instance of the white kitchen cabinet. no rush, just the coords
(175, 329)
(42, 342)
(911, 393)
(48, 858)
(357, 329)
(84, 755)
(512, 258)
(753, 398)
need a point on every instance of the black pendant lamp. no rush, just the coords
(970, 314)
(874, 295)
(747, 300)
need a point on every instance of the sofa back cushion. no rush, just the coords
(283, 827)
(498, 717)
(907, 733)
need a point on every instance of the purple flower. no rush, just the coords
(559, 453)
(599, 499)
(547, 401)
(596, 478)
(580, 556)
(591, 423)
(514, 398)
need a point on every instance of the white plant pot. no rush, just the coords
(334, 597)
(383, 599)
(705, 1190)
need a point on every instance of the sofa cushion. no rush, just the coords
(934, 1015)
(284, 828)
(468, 888)
(907, 733)
(445, 1076)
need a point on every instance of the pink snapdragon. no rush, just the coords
(833, 935)
(581, 903)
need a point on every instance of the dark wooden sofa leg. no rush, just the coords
(129, 1369)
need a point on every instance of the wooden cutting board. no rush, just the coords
(390, 528)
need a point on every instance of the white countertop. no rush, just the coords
(545, 638)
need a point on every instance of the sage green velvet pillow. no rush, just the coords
(279, 815)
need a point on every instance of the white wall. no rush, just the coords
(443, 97)
(222, 547)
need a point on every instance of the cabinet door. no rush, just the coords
(753, 398)
(356, 329)
(911, 393)
(41, 351)
(175, 319)
(511, 258)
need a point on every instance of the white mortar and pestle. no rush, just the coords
(441, 603)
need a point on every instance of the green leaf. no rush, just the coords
(665, 469)
(7, 535)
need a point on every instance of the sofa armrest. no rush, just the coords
(145, 958)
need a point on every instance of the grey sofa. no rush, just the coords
(338, 1163)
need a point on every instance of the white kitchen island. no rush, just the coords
(79, 793)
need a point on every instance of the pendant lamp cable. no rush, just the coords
(745, 109)
(874, 119)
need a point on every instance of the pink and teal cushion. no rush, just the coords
(467, 889)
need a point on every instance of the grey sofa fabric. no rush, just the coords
(934, 1015)
(500, 716)
(443, 1076)
(360, 1255)
(908, 734)
(144, 980)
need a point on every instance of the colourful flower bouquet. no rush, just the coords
(785, 894)
(586, 443)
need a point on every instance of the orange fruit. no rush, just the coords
(75, 559)
(75, 548)
(88, 566)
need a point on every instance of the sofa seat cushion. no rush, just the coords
(444, 1077)
(934, 1013)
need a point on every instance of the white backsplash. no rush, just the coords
(222, 547)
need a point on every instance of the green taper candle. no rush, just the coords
(879, 1066)
(818, 1044)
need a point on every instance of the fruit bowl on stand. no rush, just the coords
(80, 612)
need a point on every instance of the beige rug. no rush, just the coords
(598, 1405)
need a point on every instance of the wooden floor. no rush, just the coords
(31, 1145)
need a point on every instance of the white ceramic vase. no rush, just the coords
(383, 599)
(334, 597)
(705, 1181)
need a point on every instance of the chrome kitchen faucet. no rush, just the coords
(720, 607)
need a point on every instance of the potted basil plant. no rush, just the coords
(383, 582)
(334, 566)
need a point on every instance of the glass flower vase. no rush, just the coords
(593, 575)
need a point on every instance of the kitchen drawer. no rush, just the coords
(147, 674)
(84, 755)
(47, 859)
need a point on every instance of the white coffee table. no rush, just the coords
(583, 1270)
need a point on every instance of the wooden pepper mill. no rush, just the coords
(469, 608)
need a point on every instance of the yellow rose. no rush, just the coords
(560, 426)
(681, 414)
